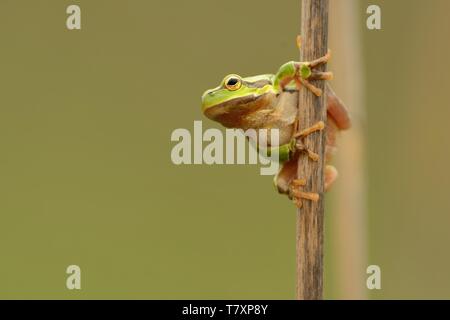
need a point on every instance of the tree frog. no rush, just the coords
(270, 101)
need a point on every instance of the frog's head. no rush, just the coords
(236, 98)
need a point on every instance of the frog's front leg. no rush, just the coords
(299, 139)
(302, 73)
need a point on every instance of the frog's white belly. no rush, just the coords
(281, 115)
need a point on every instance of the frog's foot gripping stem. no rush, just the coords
(300, 145)
(295, 192)
(302, 73)
(309, 73)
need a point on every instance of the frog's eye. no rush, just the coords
(233, 83)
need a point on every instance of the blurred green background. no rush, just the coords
(86, 176)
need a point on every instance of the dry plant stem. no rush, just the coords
(312, 110)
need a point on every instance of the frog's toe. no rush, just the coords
(297, 195)
(322, 60)
(331, 175)
(319, 75)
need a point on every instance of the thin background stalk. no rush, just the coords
(348, 231)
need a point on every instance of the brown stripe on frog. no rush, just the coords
(232, 113)
(257, 84)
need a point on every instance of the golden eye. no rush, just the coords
(233, 83)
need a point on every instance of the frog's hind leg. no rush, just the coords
(297, 194)
(337, 110)
(287, 183)
(286, 175)
(296, 185)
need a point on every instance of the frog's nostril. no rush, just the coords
(207, 93)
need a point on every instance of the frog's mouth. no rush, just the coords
(233, 113)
